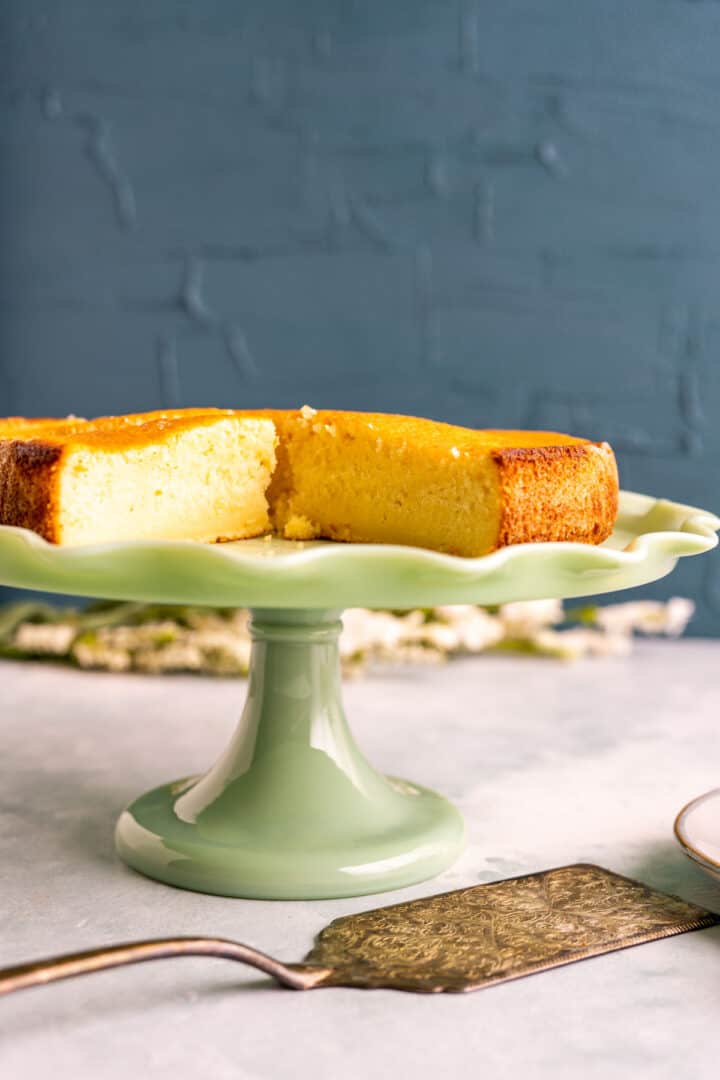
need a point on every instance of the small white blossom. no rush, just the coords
(647, 617)
(375, 631)
(525, 616)
(50, 639)
(475, 629)
(98, 655)
(579, 642)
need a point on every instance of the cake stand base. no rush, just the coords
(292, 810)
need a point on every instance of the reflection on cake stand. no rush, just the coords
(293, 809)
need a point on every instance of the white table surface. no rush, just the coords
(550, 763)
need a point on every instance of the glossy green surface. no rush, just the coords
(651, 534)
(292, 809)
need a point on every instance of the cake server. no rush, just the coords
(455, 941)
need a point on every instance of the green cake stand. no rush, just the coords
(293, 809)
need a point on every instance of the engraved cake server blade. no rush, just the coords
(455, 941)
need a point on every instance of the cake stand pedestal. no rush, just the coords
(292, 809)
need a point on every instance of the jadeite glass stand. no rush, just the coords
(292, 809)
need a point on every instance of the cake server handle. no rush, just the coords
(51, 969)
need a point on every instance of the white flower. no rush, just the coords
(374, 632)
(177, 656)
(474, 628)
(523, 617)
(51, 639)
(439, 635)
(98, 655)
(647, 617)
(580, 641)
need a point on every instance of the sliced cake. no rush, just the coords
(211, 474)
(197, 474)
(379, 478)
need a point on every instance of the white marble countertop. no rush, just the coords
(550, 763)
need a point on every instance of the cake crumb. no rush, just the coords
(307, 412)
(454, 451)
(298, 527)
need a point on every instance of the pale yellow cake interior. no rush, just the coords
(366, 483)
(202, 483)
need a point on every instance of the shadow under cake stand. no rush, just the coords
(293, 809)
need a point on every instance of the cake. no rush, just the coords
(189, 474)
(373, 477)
(209, 475)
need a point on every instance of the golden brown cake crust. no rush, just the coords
(112, 432)
(28, 486)
(433, 435)
(565, 492)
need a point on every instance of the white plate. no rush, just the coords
(697, 828)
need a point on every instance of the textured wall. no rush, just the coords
(491, 213)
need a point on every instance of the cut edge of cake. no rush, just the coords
(374, 477)
(165, 475)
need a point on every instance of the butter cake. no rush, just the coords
(205, 474)
(388, 479)
(190, 474)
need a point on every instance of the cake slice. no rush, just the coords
(196, 474)
(379, 478)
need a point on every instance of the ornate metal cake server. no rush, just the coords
(455, 941)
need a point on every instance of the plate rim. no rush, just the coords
(683, 840)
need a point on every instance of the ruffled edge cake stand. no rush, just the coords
(293, 809)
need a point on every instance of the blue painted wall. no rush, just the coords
(499, 214)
